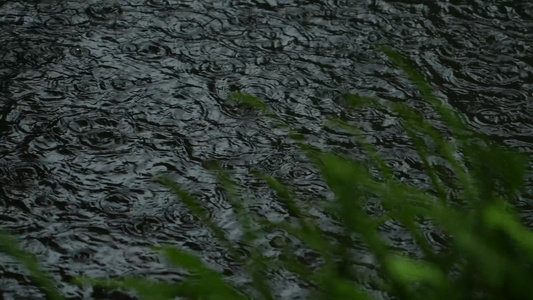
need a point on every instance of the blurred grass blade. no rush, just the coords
(256, 265)
(347, 179)
(448, 114)
(471, 244)
(370, 149)
(356, 101)
(414, 123)
(497, 216)
(197, 210)
(148, 290)
(308, 232)
(334, 287)
(248, 100)
(505, 173)
(10, 246)
(408, 271)
(206, 282)
(286, 195)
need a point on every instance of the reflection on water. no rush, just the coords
(98, 97)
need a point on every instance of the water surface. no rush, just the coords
(99, 97)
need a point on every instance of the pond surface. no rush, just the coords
(99, 97)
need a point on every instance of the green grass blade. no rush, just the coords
(10, 246)
(148, 290)
(447, 113)
(498, 216)
(370, 149)
(197, 210)
(256, 265)
(414, 123)
(207, 283)
(248, 100)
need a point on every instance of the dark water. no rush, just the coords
(98, 97)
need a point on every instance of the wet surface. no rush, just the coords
(99, 97)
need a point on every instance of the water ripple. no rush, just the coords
(151, 50)
(116, 204)
(103, 12)
(142, 226)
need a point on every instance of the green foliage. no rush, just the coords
(488, 252)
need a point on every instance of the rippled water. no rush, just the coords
(98, 97)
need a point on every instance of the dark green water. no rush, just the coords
(98, 97)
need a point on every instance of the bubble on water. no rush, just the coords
(79, 51)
